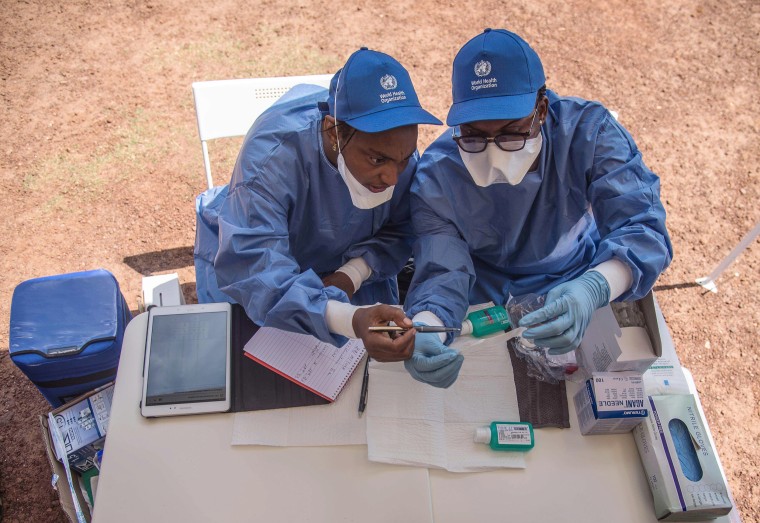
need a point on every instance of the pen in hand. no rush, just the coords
(365, 386)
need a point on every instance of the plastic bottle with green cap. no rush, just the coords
(486, 321)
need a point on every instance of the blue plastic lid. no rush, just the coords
(61, 315)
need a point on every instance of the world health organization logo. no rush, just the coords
(388, 82)
(483, 68)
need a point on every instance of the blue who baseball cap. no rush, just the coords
(496, 76)
(374, 93)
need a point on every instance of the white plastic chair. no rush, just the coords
(228, 108)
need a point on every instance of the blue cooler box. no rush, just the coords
(66, 332)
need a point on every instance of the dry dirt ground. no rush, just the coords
(101, 161)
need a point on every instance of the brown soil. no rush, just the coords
(101, 161)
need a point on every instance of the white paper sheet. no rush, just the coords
(314, 364)
(412, 423)
(337, 423)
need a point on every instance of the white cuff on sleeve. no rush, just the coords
(428, 318)
(618, 274)
(356, 269)
(339, 317)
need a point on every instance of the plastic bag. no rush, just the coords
(541, 365)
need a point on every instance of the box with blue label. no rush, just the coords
(610, 403)
(82, 425)
(680, 463)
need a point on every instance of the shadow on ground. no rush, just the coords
(149, 263)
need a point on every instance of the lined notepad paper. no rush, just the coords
(320, 367)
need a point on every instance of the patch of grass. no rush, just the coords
(53, 204)
(218, 55)
(256, 56)
(75, 174)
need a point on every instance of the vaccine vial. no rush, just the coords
(506, 435)
(486, 321)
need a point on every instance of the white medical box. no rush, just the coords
(162, 290)
(680, 463)
(610, 403)
(606, 346)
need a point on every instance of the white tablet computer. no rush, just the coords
(187, 360)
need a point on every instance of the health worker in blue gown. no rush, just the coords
(528, 192)
(316, 221)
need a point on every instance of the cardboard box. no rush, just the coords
(610, 403)
(608, 347)
(60, 483)
(680, 463)
(83, 423)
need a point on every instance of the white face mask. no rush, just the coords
(361, 197)
(496, 166)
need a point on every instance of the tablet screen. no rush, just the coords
(188, 359)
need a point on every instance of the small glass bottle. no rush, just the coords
(486, 321)
(506, 435)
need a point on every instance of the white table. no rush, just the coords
(184, 469)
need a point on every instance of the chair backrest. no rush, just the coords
(228, 108)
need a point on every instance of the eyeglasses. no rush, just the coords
(509, 142)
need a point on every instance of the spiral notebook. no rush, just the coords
(317, 366)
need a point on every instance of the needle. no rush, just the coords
(418, 328)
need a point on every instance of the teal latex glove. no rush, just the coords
(562, 321)
(433, 362)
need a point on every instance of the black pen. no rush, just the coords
(365, 384)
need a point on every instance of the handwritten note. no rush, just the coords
(320, 367)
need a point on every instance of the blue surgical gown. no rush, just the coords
(590, 198)
(286, 220)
